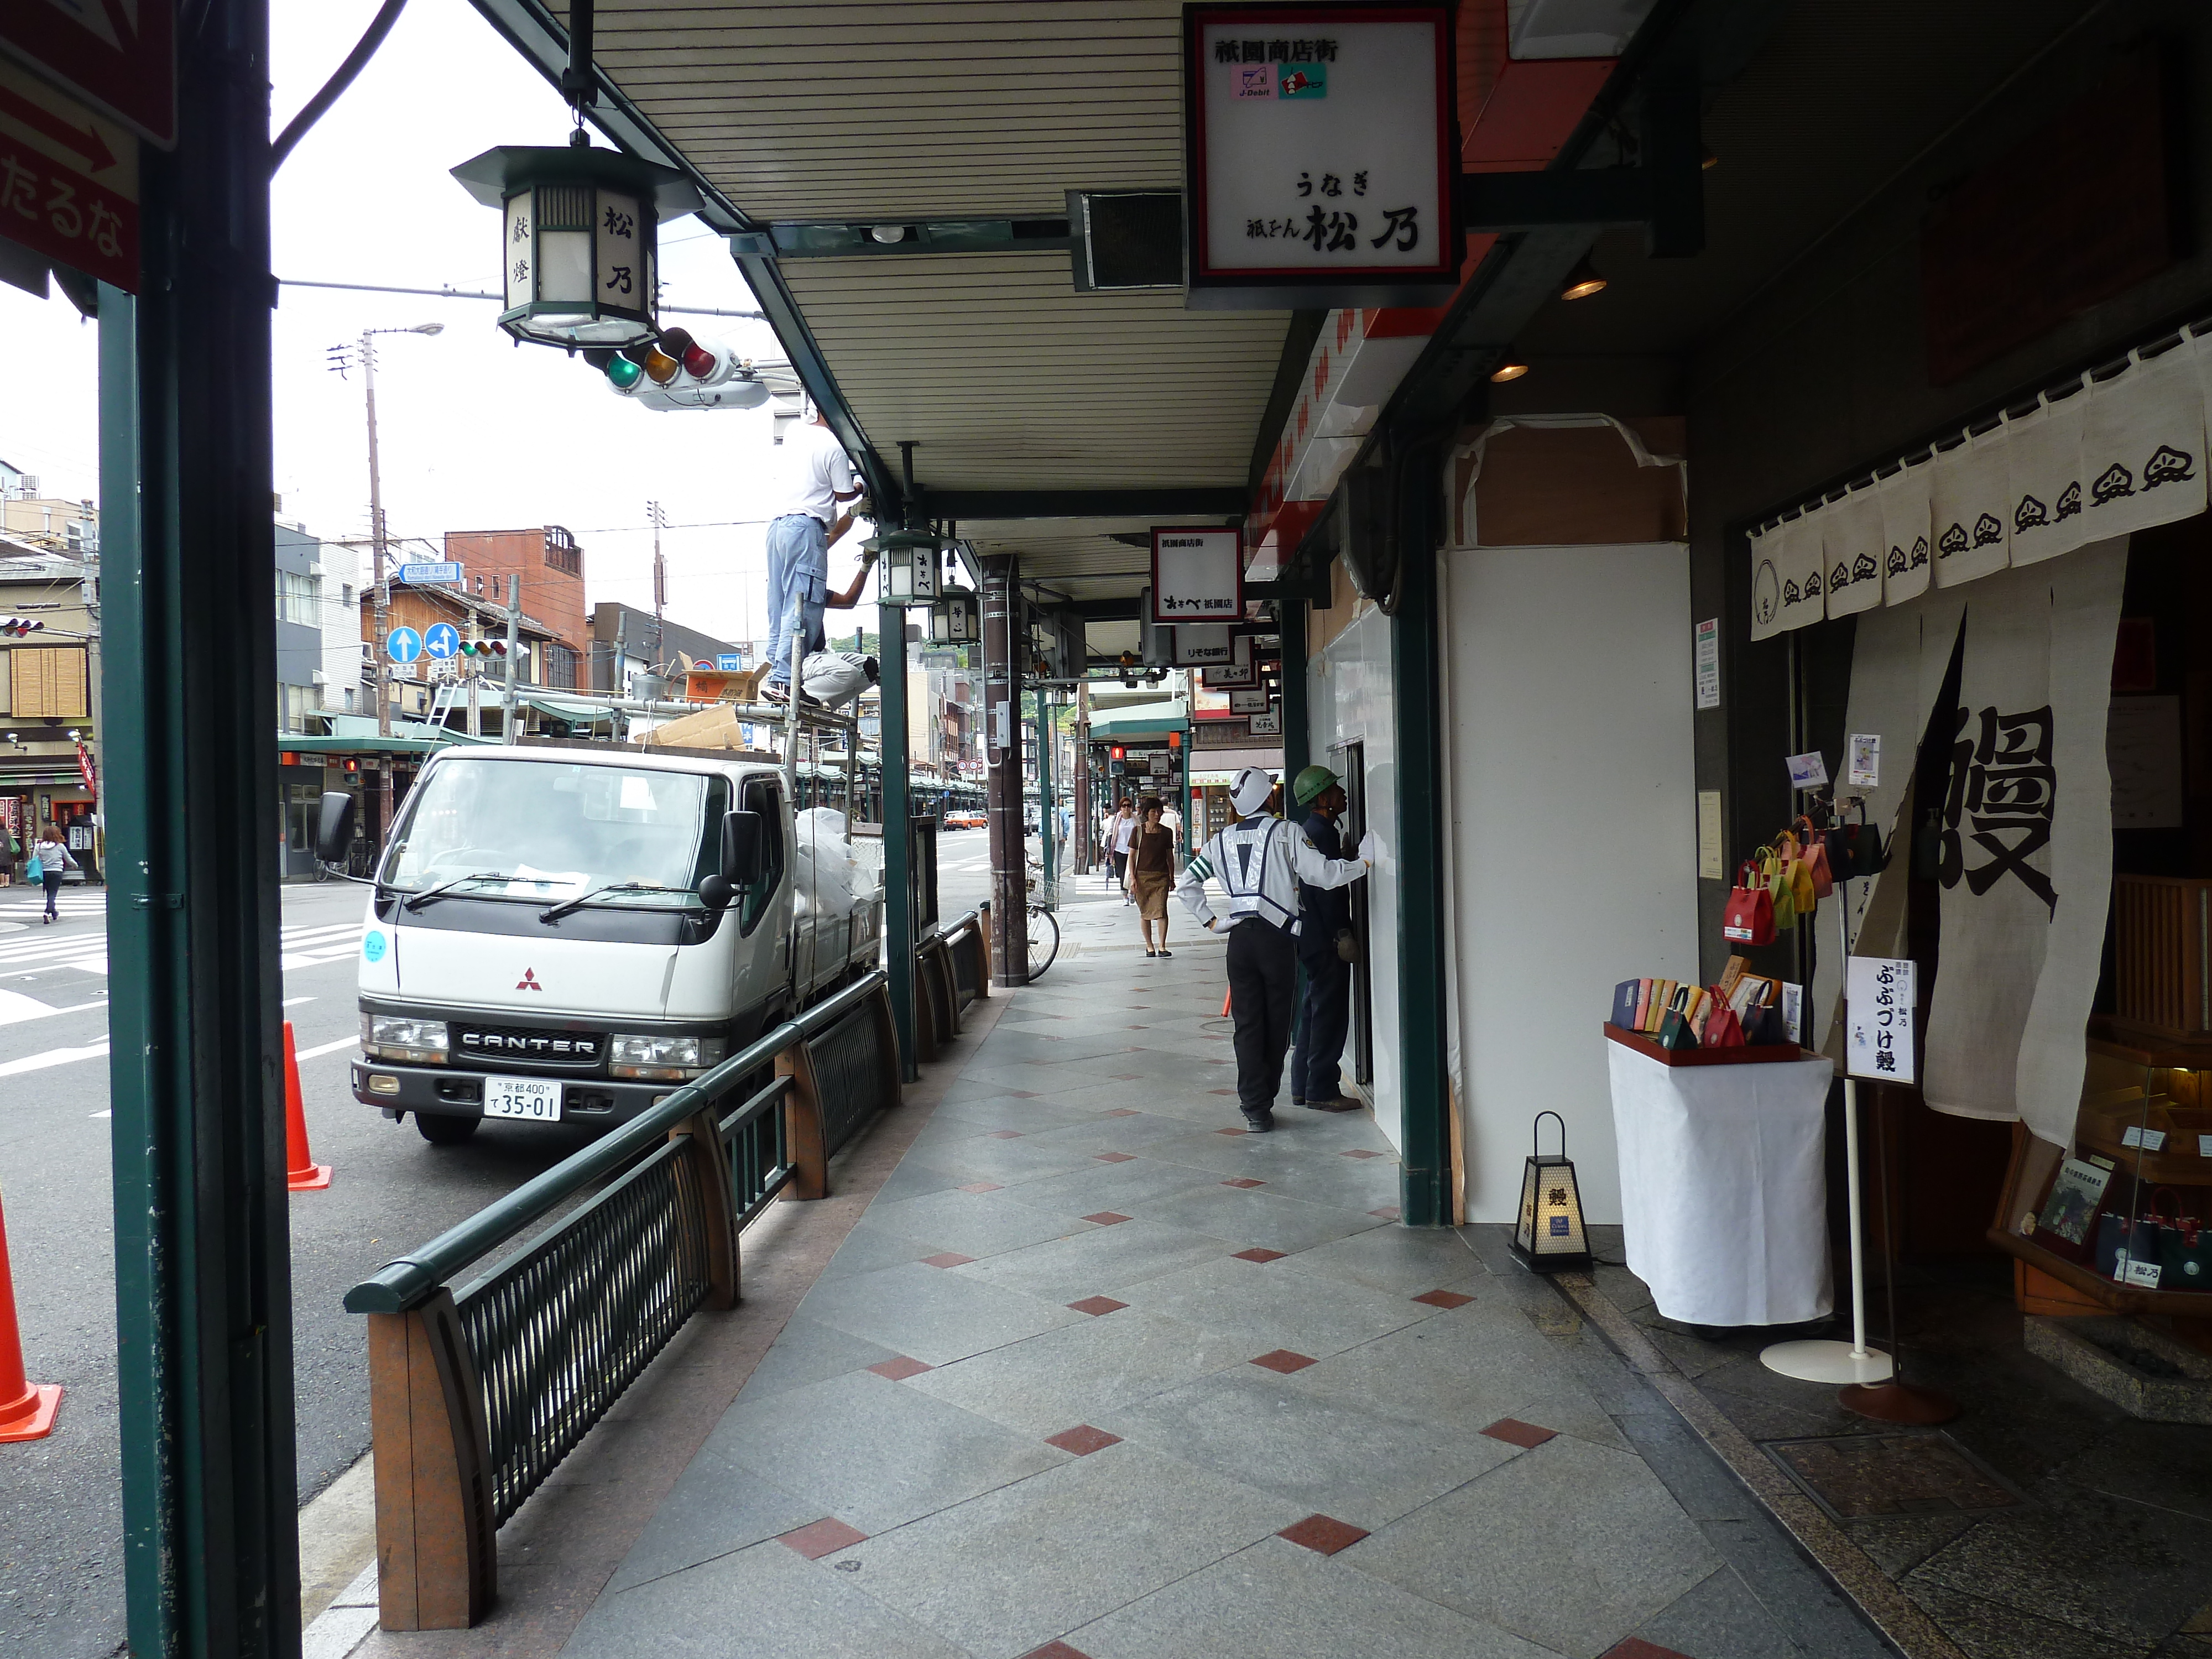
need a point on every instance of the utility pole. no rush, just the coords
(514, 620)
(1079, 834)
(659, 520)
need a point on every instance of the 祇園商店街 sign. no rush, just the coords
(1320, 165)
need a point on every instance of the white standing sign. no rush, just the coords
(1320, 155)
(1198, 576)
(1863, 750)
(1879, 994)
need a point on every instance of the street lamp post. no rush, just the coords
(376, 543)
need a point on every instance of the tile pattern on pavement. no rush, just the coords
(1091, 1379)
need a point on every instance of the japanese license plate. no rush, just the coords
(536, 1098)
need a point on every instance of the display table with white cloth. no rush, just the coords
(1723, 1186)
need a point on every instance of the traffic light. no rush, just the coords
(484, 647)
(16, 627)
(1117, 752)
(679, 371)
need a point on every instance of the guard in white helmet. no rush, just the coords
(1259, 861)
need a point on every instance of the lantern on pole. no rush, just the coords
(577, 241)
(1549, 1234)
(909, 566)
(954, 618)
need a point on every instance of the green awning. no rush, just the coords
(1140, 719)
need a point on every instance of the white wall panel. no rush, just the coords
(1574, 836)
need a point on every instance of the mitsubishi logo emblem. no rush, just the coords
(528, 980)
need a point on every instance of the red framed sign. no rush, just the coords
(120, 58)
(1319, 162)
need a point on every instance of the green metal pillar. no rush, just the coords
(898, 883)
(1416, 643)
(1044, 741)
(1297, 726)
(202, 1273)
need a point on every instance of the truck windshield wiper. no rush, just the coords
(554, 913)
(417, 900)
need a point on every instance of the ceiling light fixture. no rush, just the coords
(889, 232)
(1508, 371)
(1584, 280)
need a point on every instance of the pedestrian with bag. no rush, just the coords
(1324, 937)
(1121, 831)
(1152, 874)
(1261, 861)
(50, 858)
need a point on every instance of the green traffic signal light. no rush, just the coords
(624, 373)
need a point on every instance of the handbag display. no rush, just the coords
(1723, 1030)
(1817, 863)
(1748, 918)
(1780, 889)
(1855, 850)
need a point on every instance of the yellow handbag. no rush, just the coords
(1804, 889)
(1779, 887)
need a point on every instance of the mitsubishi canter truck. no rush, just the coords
(562, 934)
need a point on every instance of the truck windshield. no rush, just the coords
(547, 830)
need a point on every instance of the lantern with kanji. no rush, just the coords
(1549, 1234)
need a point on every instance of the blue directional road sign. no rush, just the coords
(441, 640)
(442, 572)
(402, 645)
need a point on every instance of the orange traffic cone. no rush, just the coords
(303, 1174)
(27, 1409)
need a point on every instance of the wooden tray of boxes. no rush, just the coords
(1763, 1054)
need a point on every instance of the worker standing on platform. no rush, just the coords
(816, 481)
(1324, 917)
(1261, 860)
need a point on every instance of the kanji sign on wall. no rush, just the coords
(118, 56)
(1320, 168)
(68, 180)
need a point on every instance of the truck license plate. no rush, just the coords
(536, 1098)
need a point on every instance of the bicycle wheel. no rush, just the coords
(1043, 941)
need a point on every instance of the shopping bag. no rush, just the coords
(2185, 1255)
(1780, 889)
(1804, 894)
(1855, 850)
(1816, 860)
(1749, 917)
(1722, 1029)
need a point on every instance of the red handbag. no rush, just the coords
(1815, 855)
(1723, 1030)
(1749, 918)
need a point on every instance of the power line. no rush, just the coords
(476, 293)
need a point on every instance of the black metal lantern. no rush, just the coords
(910, 574)
(955, 618)
(578, 239)
(1549, 1234)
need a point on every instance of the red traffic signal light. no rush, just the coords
(1117, 752)
(19, 626)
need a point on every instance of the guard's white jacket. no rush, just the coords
(1261, 860)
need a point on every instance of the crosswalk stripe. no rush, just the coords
(54, 1057)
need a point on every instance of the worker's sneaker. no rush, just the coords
(774, 693)
(1259, 1123)
(1336, 1103)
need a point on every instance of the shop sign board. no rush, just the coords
(1220, 734)
(1709, 663)
(1202, 645)
(121, 59)
(1879, 996)
(1198, 575)
(69, 178)
(1269, 724)
(431, 573)
(1320, 165)
(1254, 702)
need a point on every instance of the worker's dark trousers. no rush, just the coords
(1263, 994)
(1327, 1019)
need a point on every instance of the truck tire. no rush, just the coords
(441, 1129)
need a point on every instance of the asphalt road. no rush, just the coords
(61, 1580)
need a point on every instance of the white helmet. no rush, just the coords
(1250, 790)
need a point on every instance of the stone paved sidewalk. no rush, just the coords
(1099, 1373)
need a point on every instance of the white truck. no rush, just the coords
(562, 934)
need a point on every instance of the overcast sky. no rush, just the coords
(475, 433)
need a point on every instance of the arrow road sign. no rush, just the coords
(68, 180)
(441, 640)
(120, 58)
(402, 645)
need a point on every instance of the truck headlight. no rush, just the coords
(396, 1036)
(664, 1058)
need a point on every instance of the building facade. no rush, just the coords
(549, 562)
(627, 642)
(49, 699)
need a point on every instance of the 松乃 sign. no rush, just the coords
(1320, 154)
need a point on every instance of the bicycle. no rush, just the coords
(1043, 941)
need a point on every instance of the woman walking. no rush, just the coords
(52, 857)
(1152, 874)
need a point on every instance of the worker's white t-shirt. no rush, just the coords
(814, 473)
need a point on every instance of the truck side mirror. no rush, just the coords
(334, 827)
(741, 847)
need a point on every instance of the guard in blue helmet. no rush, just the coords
(1324, 917)
(1263, 862)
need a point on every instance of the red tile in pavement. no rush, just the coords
(1285, 1361)
(1444, 1299)
(1258, 1253)
(1055, 1651)
(1221, 1091)
(899, 1368)
(1005, 1134)
(824, 1537)
(1228, 1132)
(1107, 1217)
(1359, 1152)
(982, 1187)
(1115, 1157)
(1389, 1213)
(946, 1259)
(1083, 1440)
(1023, 1094)
(1242, 1180)
(1098, 1305)
(1323, 1534)
(1514, 1432)
(1635, 1647)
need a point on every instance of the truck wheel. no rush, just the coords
(441, 1130)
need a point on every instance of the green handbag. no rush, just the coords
(1779, 889)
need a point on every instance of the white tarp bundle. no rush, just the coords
(2093, 461)
(827, 880)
